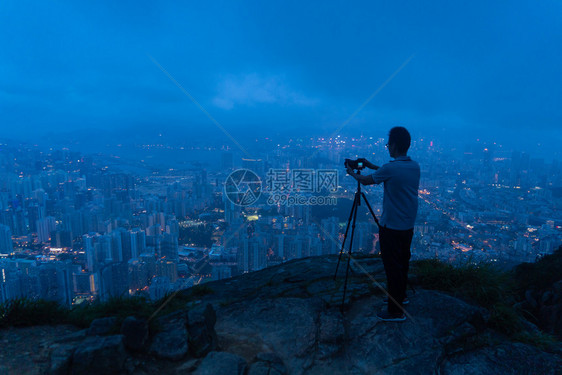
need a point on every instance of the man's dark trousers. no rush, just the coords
(395, 251)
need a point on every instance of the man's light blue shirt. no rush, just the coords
(401, 178)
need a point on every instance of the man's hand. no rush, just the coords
(368, 164)
(364, 180)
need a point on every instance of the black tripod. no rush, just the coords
(352, 214)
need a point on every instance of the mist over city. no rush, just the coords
(147, 148)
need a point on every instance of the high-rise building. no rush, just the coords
(44, 228)
(330, 234)
(168, 269)
(231, 212)
(253, 254)
(139, 242)
(65, 272)
(6, 245)
(169, 247)
(61, 239)
(159, 287)
(98, 249)
(117, 247)
(281, 246)
(113, 281)
(221, 271)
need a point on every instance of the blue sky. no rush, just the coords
(477, 67)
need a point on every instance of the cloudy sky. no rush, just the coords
(456, 69)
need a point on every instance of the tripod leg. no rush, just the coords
(353, 209)
(370, 209)
(358, 197)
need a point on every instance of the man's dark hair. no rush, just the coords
(401, 138)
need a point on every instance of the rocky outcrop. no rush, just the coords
(201, 329)
(171, 342)
(267, 364)
(550, 310)
(506, 358)
(221, 363)
(293, 311)
(135, 333)
(101, 326)
(287, 320)
(308, 337)
(539, 286)
(99, 355)
(546, 307)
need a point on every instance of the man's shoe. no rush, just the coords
(405, 302)
(385, 316)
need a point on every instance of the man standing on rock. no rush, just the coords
(401, 178)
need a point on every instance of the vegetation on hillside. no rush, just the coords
(498, 291)
(541, 274)
(26, 312)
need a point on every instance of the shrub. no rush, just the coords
(119, 307)
(541, 274)
(27, 312)
(486, 286)
(201, 290)
(481, 283)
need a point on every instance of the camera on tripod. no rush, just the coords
(354, 164)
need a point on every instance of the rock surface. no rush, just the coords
(202, 335)
(508, 358)
(135, 333)
(267, 364)
(221, 363)
(101, 326)
(171, 342)
(26, 351)
(99, 355)
(287, 320)
(301, 322)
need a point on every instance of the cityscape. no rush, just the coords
(280, 187)
(77, 227)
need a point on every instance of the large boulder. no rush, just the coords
(135, 333)
(311, 337)
(171, 342)
(99, 355)
(101, 326)
(201, 329)
(267, 364)
(549, 311)
(222, 363)
(61, 358)
(286, 326)
(507, 358)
